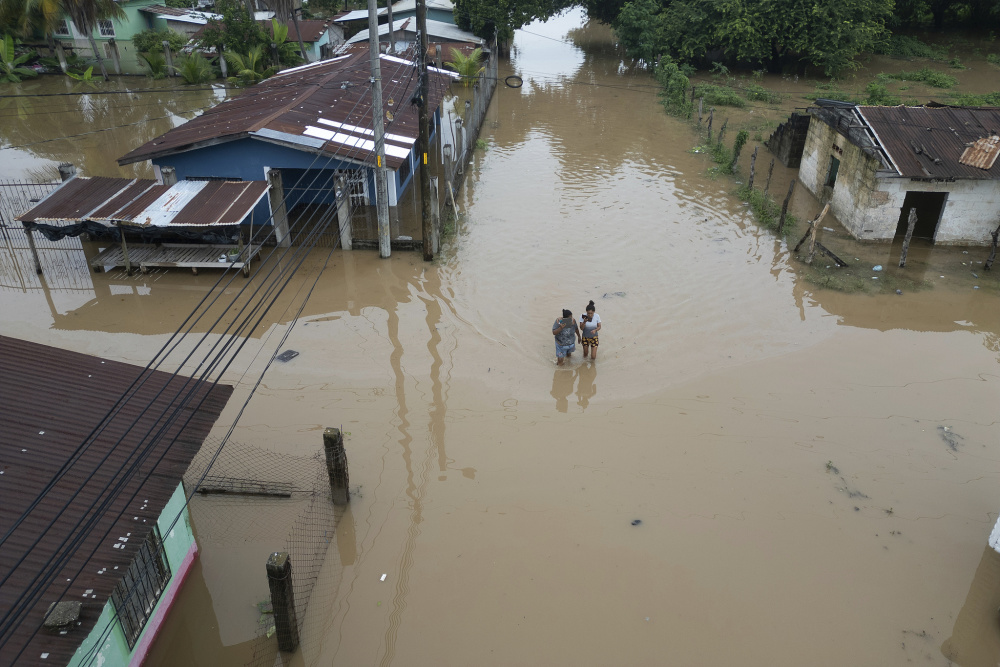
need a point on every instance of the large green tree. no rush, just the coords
(501, 18)
(769, 33)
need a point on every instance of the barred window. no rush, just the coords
(106, 27)
(138, 591)
(62, 29)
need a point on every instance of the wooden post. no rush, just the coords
(61, 55)
(279, 213)
(344, 213)
(448, 173)
(812, 233)
(34, 250)
(770, 170)
(336, 465)
(170, 59)
(692, 94)
(128, 264)
(437, 55)
(701, 104)
(722, 130)
(279, 581)
(784, 207)
(993, 251)
(910, 224)
(711, 114)
(809, 228)
(753, 163)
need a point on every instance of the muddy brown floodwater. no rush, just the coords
(754, 472)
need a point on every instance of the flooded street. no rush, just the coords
(755, 471)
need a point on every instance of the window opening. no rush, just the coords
(140, 588)
(106, 27)
(62, 29)
(831, 175)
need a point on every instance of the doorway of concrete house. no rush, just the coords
(929, 206)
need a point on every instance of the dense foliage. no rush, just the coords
(152, 40)
(778, 34)
(487, 18)
(237, 31)
(12, 67)
(981, 14)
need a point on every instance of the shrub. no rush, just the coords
(719, 96)
(195, 68)
(904, 46)
(985, 100)
(673, 87)
(877, 95)
(925, 75)
(156, 61)
(993, 59)
(152, 40)
(759, 93)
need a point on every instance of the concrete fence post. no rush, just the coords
(170, 58)
(336, 465)
(66, 171)
(279, 581)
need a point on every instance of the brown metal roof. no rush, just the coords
(77, 198)
(928, 142)
(334, 90)
(982, 153)
(141, 202)
(52, 400)
(312, 29)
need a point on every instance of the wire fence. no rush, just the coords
(252, 494)
(467, 127)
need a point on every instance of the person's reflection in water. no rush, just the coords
(562, 387)
(587, 388)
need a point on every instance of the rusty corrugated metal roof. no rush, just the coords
(282, 108)
(52, 400)
(77, 198)
(928, 142)
(982, 153)
(144, 203)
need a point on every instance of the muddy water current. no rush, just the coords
(755, 470)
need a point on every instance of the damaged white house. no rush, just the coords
(873, 164)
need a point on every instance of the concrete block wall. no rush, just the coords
(971, 211)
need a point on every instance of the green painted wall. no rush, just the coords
(114, 650)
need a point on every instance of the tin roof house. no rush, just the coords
(95, 538)
(306, 130)
(875, 164)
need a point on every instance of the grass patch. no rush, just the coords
(878, 95)
(858, 278)
(719, 96)
(766, 209)
(904, 46)
(925, 75)
(984, 100)
(832, 91)
(482, 144)
(993, 59)
(758, 93)
(955, 63)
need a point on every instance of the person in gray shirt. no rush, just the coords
(567, 335)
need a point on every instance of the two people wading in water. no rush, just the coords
(568, 332)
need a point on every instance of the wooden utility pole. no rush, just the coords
(911, 222)
(423, 140)
(381, 187)
(392, 34)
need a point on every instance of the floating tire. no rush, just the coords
(514, 81)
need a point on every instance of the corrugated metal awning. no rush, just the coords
(147, 204)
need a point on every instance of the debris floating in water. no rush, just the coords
(287, 355)
(608, 295)
(899, 291)
(636, 522)
(877, 267)
(383, 578)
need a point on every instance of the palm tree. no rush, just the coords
(86, 14)
(468, 67)
(249, 68)
(284, 10)
(28, 16)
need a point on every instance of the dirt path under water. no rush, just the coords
(754, 472)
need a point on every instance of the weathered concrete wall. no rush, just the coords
(869, 203)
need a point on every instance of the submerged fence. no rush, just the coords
(460, 140)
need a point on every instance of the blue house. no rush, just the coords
(307, 130)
